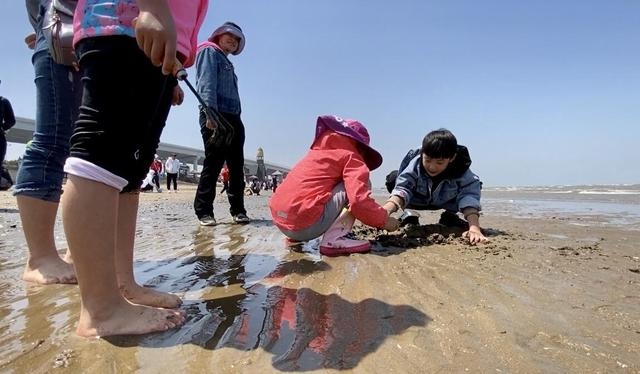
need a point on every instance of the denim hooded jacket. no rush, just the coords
(216, 79)
(459, 187)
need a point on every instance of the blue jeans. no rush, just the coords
(58, 93)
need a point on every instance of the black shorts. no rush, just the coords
(125, 104)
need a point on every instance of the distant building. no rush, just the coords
(261, 171)
(22, 132)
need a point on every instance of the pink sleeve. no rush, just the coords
(361, 204)
(188, 17)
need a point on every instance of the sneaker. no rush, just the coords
(409, 218)
(451, 219)
(344, 246)
(207, 221)
(241, 218)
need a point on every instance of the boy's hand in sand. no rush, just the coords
(475, 235)
(156, 33)
(392, 224)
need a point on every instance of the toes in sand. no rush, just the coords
(50, 271)
(150, 297)
(129, 319)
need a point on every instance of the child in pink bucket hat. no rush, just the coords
(329, 188)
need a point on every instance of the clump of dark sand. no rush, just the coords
(411, 236)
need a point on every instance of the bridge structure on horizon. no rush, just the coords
(23, 130)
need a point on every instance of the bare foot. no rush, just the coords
(128, 319)
(150, 297)
(49, 270)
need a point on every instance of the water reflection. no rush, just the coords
(303, 329)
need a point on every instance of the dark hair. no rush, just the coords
(439, 143)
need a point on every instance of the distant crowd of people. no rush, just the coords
(170, 168)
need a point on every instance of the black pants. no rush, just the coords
(3, 147)
(172, 177)
(125, 104)
(214, 158)
(156, 180)
(4, 173)
(3, 151)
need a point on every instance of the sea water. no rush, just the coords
(601, 205)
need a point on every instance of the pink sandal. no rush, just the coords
(344, 246)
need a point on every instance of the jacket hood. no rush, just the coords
(460, 165)
(333, 140)
(354, 130)
(233, 29)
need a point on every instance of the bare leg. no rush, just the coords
(44, 265)
(90, 212)
(132, 291)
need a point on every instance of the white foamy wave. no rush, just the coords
(608, 192)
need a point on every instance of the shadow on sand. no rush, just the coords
(303, 329)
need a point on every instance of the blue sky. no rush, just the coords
(542, 93)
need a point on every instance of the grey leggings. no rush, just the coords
(332, 210)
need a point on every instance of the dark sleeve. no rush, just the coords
(8, 119)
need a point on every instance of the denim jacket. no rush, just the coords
(459, 189)
(216, 80)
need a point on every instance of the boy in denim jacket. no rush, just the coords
(438, 177)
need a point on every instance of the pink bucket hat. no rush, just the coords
(354, 130)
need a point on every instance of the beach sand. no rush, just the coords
(543, 296)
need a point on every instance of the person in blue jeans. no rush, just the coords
(39, 180)
(217, 83)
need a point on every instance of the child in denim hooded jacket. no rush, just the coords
(438, 177)
(333, 175)
(217, 84)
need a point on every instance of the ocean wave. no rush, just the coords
(575, 189)
(608, 192)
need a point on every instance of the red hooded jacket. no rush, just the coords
(300, 199)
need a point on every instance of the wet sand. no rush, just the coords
(544, 296)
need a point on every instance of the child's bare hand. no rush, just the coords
(475, 235)
(178, 96)
(211, 125)
(392, 224)
(156, 33)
